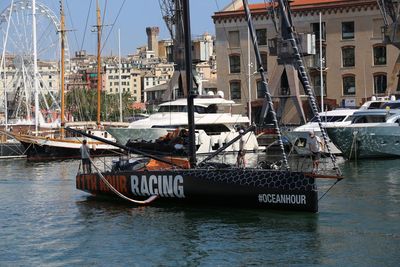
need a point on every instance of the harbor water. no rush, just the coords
(45, 221)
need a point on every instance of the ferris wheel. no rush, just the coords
(17, 75)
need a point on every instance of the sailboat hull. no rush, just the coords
(40, 148)
(256, 188)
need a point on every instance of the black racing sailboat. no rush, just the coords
(187, 181)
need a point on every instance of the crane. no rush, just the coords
(172, 12)
(390, 10)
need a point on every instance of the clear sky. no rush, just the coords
(135, 16)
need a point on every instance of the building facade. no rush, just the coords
(355, 63)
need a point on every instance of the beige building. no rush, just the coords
(130, 80)
(357, 64)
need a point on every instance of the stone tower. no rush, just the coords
(152, 39)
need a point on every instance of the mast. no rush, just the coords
(321, 62)
(35, 67)
(264, 81)
(98, 26)
(119, 75)
(189, 82)
(3, 66)
(249, 75)
(62, 68)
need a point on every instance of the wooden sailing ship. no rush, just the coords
(56, 144)
(151, 178)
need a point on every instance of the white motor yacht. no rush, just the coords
(333, 118)
(298, 136)
(371, 134)
(214, 126)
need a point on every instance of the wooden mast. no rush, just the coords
(62, 68)
(98, 26)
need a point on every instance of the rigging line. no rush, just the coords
(72, 24)
(86, 25)
(112, 26)
(329, 189)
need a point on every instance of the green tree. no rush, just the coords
(83, 105)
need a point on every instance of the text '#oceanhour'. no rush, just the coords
(162, 185)
(282, 199)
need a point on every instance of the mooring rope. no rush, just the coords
(144, 202)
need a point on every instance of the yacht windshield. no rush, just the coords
(177, 108)
(369, 119)
(395, 105)
(329, 118)
(172, 109)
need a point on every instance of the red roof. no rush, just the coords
(301, 3)
(298, 5)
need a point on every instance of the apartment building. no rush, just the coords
(356, 63)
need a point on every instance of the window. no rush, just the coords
(261, 36)
(380, 55)
(264, 60)
(349, 85)
(234, 63)
(377, 25)
(348, 30)
(234, 39)
(235, 90)
(380, 83)
(50, 84)
(260, 89)
(316, 59)
(348, 57)
(315, 28)
(316, 81)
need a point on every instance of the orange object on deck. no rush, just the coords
(154, 165)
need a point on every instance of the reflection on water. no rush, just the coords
(44, 220)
